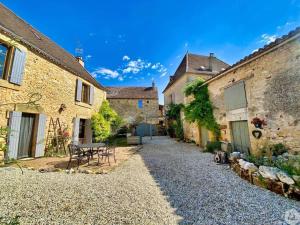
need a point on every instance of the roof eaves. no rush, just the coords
(294, 34)
(41, 52)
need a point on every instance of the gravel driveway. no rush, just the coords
(166, 183)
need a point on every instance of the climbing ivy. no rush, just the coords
(200, 109)
(174, 121)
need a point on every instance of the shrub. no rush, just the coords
(179, 129)
(105, 122)
(278, 149)
(175, 127)
(213, 146)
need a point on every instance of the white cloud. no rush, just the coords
(88, 57)
(131, 69)
(267, 38)
(126, 58)
(163, 74)
(107, 73)
(134, 66)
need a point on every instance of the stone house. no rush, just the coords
(191, 67)
(136, 105)
(265, 87)
(38, 81)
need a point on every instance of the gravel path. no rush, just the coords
(166, 183)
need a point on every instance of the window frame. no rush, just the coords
(140, 103)
(85, 93)
(8, 60)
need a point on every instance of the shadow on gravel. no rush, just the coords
(169, 172)
(202, 192)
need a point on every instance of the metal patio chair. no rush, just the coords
(76, 153)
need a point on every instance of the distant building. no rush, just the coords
(136, 105)
(191, 67)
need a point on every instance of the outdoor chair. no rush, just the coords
(76, 153)
(107, 152)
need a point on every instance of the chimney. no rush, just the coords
(80, 60)
(153, 84)
(210, 61)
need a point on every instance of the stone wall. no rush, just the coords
(128, 109)
(272, 85)
(55, 85)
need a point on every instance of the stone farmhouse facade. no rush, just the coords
(135, 104)
(191, 67)
(266, 86)
(38, 81)
(257, 100)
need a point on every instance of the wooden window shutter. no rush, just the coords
(91, 99)
(88, 131)
(18, 65)
(40, 137)
(14, 132)
(78, 90)
(235, 96)
(75, 139)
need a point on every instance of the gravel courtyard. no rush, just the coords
(165, 183)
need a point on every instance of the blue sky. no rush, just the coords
(129, 43)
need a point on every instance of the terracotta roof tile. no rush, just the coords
(198, 64)
(18, 29)
(260, 51)
(131, 93)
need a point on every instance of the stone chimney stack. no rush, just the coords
(210, 61)
(153, 85)
(80, 60)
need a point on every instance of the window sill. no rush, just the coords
(82, 104)
(6, 84)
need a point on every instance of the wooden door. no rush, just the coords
(204, 136)
(240, 136)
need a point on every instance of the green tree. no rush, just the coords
(105, 122)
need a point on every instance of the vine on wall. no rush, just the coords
(174, 121)
(200, 109)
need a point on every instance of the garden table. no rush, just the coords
(91, 147)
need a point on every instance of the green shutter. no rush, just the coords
(235, 96)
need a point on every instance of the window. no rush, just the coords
(81, 128)
(85, 93)
(140, 104)
(4, 60)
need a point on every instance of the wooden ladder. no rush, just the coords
(54, 133)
